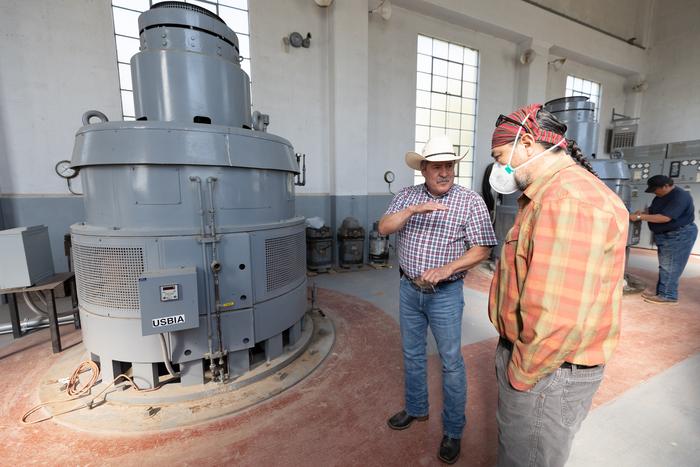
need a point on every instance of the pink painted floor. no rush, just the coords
(337, 416)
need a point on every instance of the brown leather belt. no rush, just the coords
(423, 286)
(426, 287)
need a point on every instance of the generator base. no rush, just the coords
(125, 410)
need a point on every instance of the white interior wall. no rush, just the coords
(58, 60)
(671, 104)
(518, 21)
(624, 18)
(291, 84)
(612, 92)
(392, 90)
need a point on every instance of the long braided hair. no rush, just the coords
(547, 121)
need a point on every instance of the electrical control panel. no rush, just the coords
(683, 162)
(169, 300)
(644, 161)
(683, 166)
(687, 170)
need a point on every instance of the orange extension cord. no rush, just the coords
(76, 391)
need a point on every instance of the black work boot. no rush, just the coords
(402, 420)
(449, 450)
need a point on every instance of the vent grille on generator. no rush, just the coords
(108, 276)
(285, 260)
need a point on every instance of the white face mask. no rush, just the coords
(502, 177)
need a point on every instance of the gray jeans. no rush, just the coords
(536, 427)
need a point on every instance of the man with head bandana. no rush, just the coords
(556, 294)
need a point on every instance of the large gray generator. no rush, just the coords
(578, 114)
(190, 257)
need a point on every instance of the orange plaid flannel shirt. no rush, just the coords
(557, 291)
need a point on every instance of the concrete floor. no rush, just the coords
(646, 413)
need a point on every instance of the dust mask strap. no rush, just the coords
(536, 156)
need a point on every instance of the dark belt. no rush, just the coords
(509, 345)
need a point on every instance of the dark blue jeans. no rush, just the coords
(674, 250)
(442, 311)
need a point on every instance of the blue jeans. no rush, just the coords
(674, 250)
(442, 311)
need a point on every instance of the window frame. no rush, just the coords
(576, 86)
(447, 89)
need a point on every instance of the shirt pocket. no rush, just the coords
(513, 233)
(511, 240)
(453, 227)
(509, 248)
(516, 247)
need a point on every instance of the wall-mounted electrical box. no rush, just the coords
(169, 300)
(25, 255)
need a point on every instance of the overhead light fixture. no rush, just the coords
(384, 10)
(323, 3)
(557, 64)
(527, 56)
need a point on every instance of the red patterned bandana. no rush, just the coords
(505, 133)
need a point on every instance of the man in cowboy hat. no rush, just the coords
(443, 230)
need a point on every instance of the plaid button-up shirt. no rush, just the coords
(557, 291)
(433, 239)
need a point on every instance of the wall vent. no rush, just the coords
(623, 136)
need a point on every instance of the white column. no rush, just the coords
(634, 94)
(532, 76)
(348, 59)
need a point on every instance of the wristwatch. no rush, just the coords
(639, 217)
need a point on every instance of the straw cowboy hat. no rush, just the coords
(437, 149)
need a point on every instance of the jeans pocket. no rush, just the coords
(671, 236)
(543, 385)
(502, 367)
(577, 395)
(502, 363)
